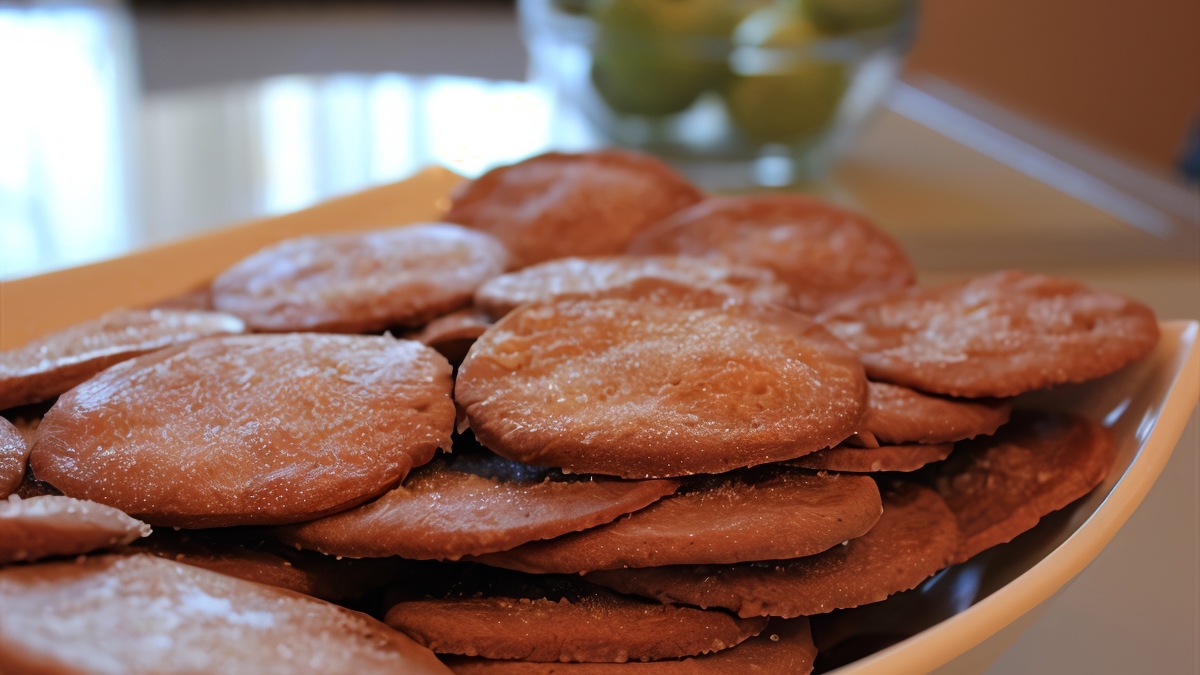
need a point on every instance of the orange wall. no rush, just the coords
(1125, 74)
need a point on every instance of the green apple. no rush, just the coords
(843, 16)
(578, 7)
(781, 91)
(655, 57)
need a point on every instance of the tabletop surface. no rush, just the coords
(91, 169)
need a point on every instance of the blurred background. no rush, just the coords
(1054, 135)
(122, 125)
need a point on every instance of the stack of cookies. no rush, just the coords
(628, 426)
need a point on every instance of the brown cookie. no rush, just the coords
(14, 453)
(503, 615)
(548, 280)
(557, 205)
(248, 556)
(470, 504)
(357, 283)
(141, 614)
(758, 515)
(915, 538)
(899, 415)
(1002, 485)
(54, 363)
(851, 459)
(44, 526)
(658, 380)
(252, 429)
(823, 252)
(996, 335)
(785, 646)
(453, 334)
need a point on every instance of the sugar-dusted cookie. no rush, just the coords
(851, 459)
(563, 276)
(251, 429)
(899, 415)
(14, 453)
(659, 380)
(52, 364)
(823, 252)
(141, 614)
(504, 615)
(471, 503)
(915, 538)
(762, 514)
(44, 526)
(454, 333)
(356, 283)
(1000, 486)
(785, 646)
(244, 553)
(558, 205)
(995, 335)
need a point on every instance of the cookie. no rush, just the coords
(14, 453)
(44, 526)
(470, 504)
(545, 281)
(824, 253)
(249, 430)
(247, 555)
(658, 380)
(57, 362)
(784, 646)
(141, 614)
(757, 515)
(899, 415)
(454, 333)
(561, 619)
(557, 205)
(996, 335)
(358, 283)
(851, 459)
(1002, 485)
(915, 538)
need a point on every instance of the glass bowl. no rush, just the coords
(735, 93)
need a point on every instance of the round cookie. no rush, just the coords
(899, 415)
(851, 459)
(246, 430)
(357, 283)
(52, 364)
(14, 453)
(658, 380)
(44, 526)
(1002, 485)
(915, 538)
(503, 615)
(470, 504)
(823, 252)
(141, 615)
(453, 334)
(557, 205)
(550, 279)
(996, 335)
(758, 515)
(246, 555)
(784, 646)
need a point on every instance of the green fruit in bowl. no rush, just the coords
(655, 57)
(843, 16)
(577, 7)
(782, 91)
